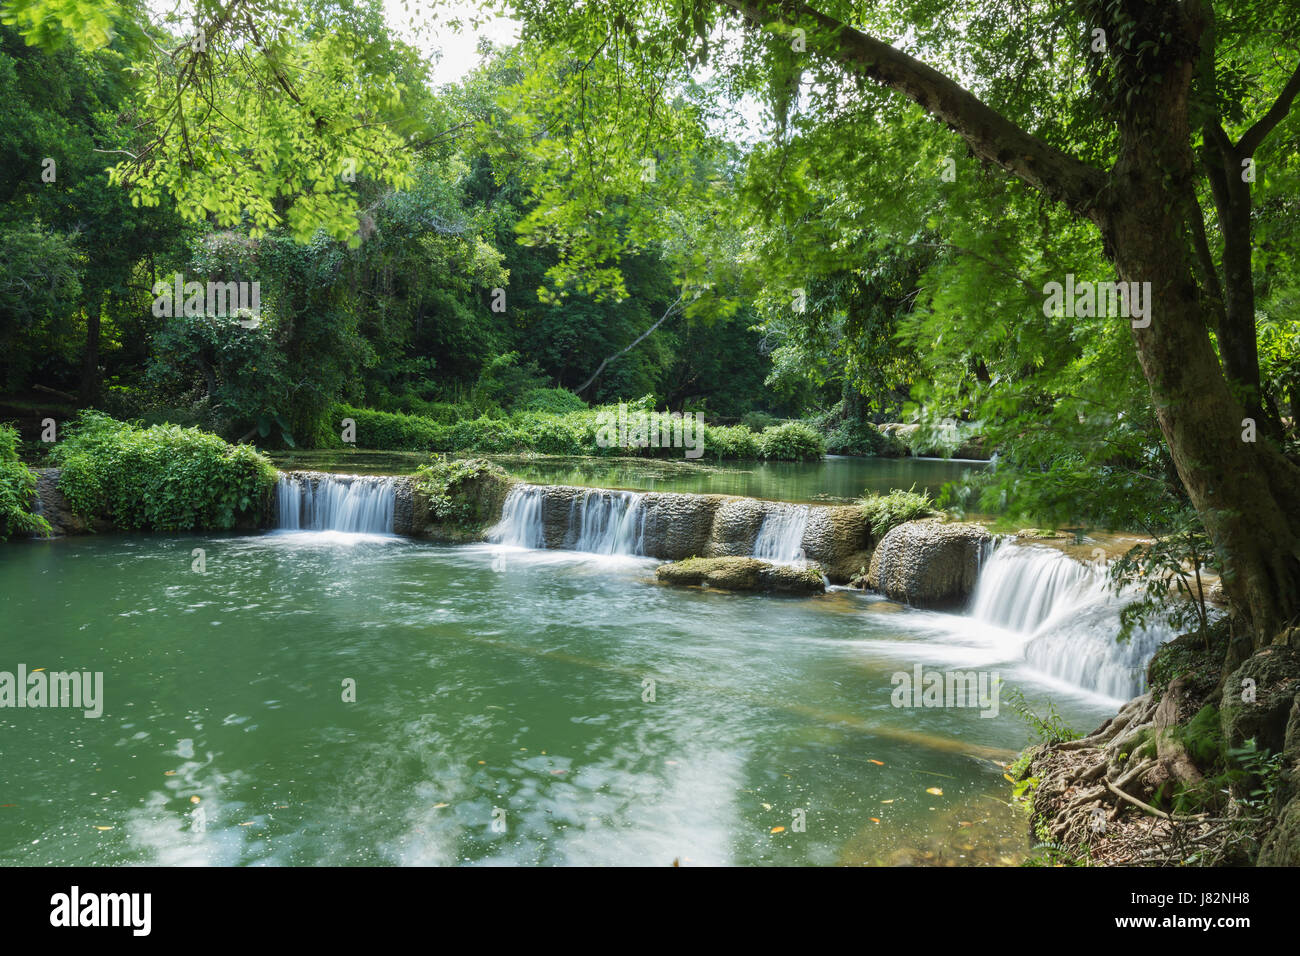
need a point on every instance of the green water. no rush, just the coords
(506, 683)
(831, 479)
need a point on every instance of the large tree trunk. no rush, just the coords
(1246, 492)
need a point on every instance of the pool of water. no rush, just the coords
(833, 479)
(512, 707)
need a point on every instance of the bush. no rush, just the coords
(884, 512)
(17, 490)
(552, 401)
(730, 441)
(393, 431)
(793, 441)
(461, 491)
(164, 478)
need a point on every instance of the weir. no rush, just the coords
(353, 503)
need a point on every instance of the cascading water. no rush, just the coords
(780, 537)
(599, 522)
(354, 503)
(1069, 616)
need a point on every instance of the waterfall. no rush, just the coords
(1069, 617)
(599, 521)
(355, 503)
(780, 537)
(521, 519)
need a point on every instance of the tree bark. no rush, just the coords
(1246, 492)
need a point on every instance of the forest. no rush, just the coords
(1055, 244)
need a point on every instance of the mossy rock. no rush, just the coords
(741, 574)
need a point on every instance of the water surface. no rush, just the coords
(512, 707)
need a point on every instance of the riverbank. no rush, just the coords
(1201, 770)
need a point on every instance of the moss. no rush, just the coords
(741, 574)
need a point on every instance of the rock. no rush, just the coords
(678, 525)
(839, 539)
(481, 495)
(735, 527)
(1269, 681)
(928, 563)
(53, 506)
(1282, 845)
(741, 574)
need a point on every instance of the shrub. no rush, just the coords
(793, 441)
(464, 491)
(556, 435)
(553, 401)
(730, 441)
(485, 434)
(393, 431)
(17, 489)
(164, 478)
(887, 511)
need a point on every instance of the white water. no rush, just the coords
(780, 537)
(599, 522)
(352, 503)
(1067, 616)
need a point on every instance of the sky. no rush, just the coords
(453, 52)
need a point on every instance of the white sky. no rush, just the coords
(454, 53)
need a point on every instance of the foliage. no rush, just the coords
(552, 401)
(164, 478)
(791, 441)
(731, 442)
(393, 431)
(884, 512)
(1050, 728)
(454, 488)
(17, 490)
(1168, 577)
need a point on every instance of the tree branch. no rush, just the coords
(990, 135)
(1250, 141)
(672, 309)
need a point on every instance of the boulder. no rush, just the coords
(839, 539)
(53, 506)
(928, 563)
(741, 574)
